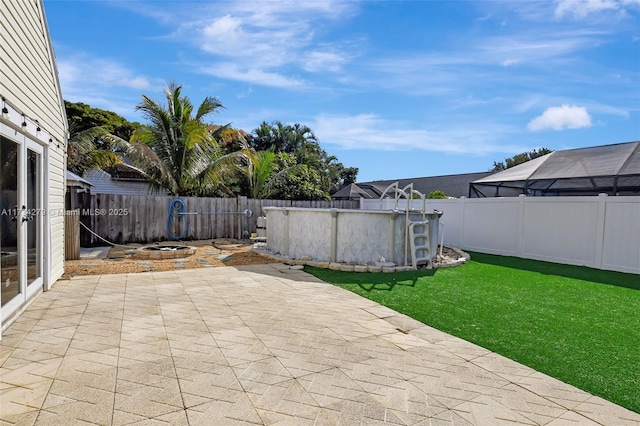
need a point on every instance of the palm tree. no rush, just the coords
(259, 172)
(176, 149)
(279, 175)
(315, 172)
(289, 138)
(267, 173)
(85, 154)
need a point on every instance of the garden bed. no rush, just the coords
(203, 254)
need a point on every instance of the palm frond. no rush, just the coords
(209, 105)
(218, 132)
(177, 149)
(83, 150)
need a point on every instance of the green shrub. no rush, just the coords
(437, 194)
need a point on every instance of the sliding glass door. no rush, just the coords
(21, 222)
(33, 217)
(9, 224)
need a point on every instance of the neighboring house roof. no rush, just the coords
(613, 169)
(452, 185)
(75, 180)
(350, 192)
(125, 169)
(126, 172)
(123, 178)
(104, 183)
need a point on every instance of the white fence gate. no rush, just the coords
(600, 232)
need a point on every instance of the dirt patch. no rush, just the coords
(450, 257)
(208, 254)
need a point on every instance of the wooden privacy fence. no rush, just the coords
(72, 235)
(143, 218)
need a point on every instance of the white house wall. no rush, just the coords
(29, 81)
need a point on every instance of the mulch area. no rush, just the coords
(209, 254)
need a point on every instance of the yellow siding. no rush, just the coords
(29, 81)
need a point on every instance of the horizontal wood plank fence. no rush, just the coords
(126, 219)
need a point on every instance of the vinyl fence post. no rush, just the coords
(600, 227)
(334, 236)
(286, 231)
(522, 199)
(463, 201)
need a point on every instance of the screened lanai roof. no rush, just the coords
(612, 169)
(350, 192)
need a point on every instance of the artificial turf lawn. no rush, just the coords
(577, 324)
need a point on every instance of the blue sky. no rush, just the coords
(396, 88)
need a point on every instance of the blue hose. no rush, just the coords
(176, 212)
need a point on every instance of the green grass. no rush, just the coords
(577, 324)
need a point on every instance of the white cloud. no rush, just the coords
(238, 37)
(261, 12)
(323, 61)
(102, 83)
(581, 8)
(81, 70)
(561, 118)
(526, 104)
(259, 42)
(245, 93)
(263, 38)
(510, 62)
(266, 11)
(607, 109)
(371, 132)
(257, 76)
(534, 47)
(441, 72)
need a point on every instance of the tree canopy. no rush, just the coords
(88, 149)
(179, 150)
(89, 146)
(83, 117)
(301, 168)
(519, 159)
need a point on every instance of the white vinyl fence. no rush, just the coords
(600, 232)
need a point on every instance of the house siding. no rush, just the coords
(29, 81)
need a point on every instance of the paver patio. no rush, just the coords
(262, 344)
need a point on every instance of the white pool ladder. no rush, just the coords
(420, 246)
